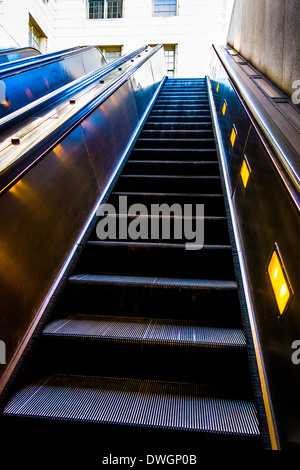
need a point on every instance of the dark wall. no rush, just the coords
(266, 33)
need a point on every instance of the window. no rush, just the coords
(105, 9)
(111, 53)
(164, 7)
(36, 36)
(34, 39)
(170, 60)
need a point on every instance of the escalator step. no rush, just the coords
(151, 259)
(178, 118)
(195, 284)
(180, 107)
(115, 401)
(168, 229)
(170, 112)
(179, 125)
(174, 154)
(184, 184)
(145, 329)
(214, 203)
(169, 101)
(173, 167)
(177, 143)
(183, 99)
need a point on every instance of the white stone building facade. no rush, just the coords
(187, 28)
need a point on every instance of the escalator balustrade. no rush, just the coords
(148, 335)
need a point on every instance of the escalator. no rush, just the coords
(149, 340)
(10, 55)
(25, 80)
(120, 321)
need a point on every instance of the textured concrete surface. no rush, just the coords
(267, 34)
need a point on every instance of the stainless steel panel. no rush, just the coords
(266, 216)
(143, 87)
(235, 115)
(292, 114)
(107, 132)
(40, 219)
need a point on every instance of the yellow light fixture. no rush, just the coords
(279, 280)
(218, 86)
(233, 135)
(224, 107)
(245, 172)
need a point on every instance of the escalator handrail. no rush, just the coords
(37, 150)
(8, 69)
(279, 148)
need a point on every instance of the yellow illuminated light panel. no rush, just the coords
(233, 136)
(224, 108)
(279, 281)
(245, 173)
(218, 86)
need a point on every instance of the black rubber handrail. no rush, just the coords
(15, 170)
(281, 151)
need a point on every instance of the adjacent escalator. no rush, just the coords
(148, 336)
(24, 81)
(10, 55)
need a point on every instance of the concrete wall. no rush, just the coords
(14, 22)
(266, 33)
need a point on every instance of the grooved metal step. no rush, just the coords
(151, 330)
(147, 281)
(132, 402)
